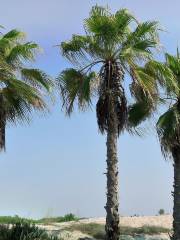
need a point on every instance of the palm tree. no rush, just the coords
(22, 89)
(168, 129)
(113, 45)
(167, 75)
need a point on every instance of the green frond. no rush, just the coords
(138, 51)
(139, 112)
(168, 130)
(148, 29)
(75, 87)
(103, 24)
(18, 107)
(99, 11)
(173, 62)
(140, 42)
(25, 90)
(123, 18)
(5, 45)
(20, 88)
(100, 25)
(164, 75)
(142, 82)
(22, 52)
(109, 29)
(14, 35)
(36, 78)
(76, 48)
(10, 39)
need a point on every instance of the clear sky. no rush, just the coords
(55, 165)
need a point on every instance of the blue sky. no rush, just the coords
(55, 165)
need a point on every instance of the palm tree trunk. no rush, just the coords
(176, 195)
(112, 217)
(2, 124)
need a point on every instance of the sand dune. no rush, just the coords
(136, 222)
(161, 221)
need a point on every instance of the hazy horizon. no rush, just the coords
(55, 166)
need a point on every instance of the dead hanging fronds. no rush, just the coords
(111, 107)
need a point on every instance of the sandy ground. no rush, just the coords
(162, 221)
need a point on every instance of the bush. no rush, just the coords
(23, 231)
(161, 212)
(66, 218)
(13, 220)
(17, 219)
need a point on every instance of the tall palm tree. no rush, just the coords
(167, 75)
(22, 89)
(113, 45)
(168, 128)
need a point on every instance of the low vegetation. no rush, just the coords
(15, 219)
(65, 218)
(24, 231)
(97, 230)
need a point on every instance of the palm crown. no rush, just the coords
(113, 45)
(21, 88)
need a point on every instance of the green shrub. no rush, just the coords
(65, 218)
(16, 219)
(23, 231)
(161, 211)
(13, 220)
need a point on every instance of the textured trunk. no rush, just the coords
(176, 195)
(111, 111)
(2, 124)
(112, 217)
(2, 134)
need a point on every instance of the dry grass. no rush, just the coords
(97, 230)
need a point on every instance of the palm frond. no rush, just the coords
(37, 78)
(164, 75)
(14, 35)
(21, 52)
(146, 30)
(20, 93)
(139, 112)
(75, 86)
(144, 85)
(168, 129)
(10, 39)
